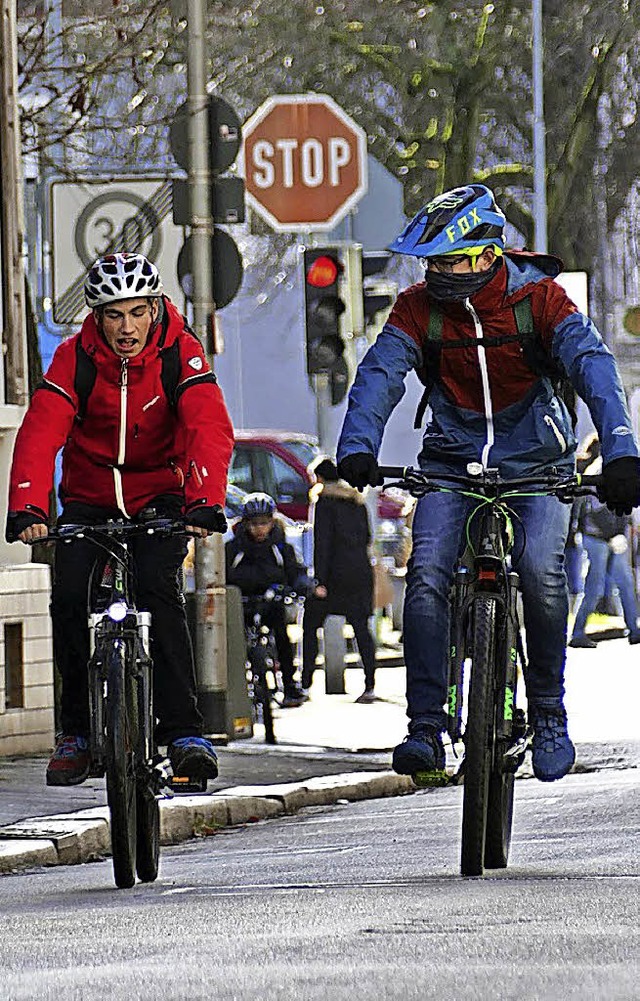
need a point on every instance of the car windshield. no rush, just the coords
(303, 450)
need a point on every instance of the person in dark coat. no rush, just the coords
(342, 570)
(259, 557)
(604, 536)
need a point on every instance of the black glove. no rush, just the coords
(621, 488)
(211, 518)
(360, 470)
(17, 521)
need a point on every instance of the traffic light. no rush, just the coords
(377, 297)
(325, 304)
(227, 197)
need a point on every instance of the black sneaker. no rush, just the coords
(420, 751)
(193, 757)
(582, 643)
(293, 697)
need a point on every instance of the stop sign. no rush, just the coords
(305, 162)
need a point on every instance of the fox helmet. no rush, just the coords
(258, 506)
(121, 276)
(459, 221)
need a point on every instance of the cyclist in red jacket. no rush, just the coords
(141, 422)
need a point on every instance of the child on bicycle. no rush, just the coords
(259, 557)
(492, 390)
(127, 445)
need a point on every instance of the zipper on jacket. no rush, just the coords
(122, 441)
(122, 438)
(486, 389)
(549, 421)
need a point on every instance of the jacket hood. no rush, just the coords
(167, 329)
(342, 491)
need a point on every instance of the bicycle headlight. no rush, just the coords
(117, 611)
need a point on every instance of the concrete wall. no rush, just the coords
(28, 726)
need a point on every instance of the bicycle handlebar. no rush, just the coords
(158, 526)
(578, 484)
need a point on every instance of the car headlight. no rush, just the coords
(117, 611)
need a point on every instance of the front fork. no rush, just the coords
(136, 630)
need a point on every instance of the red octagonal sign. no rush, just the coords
(305, 162)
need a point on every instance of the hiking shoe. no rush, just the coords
(584, 643)
(193, 757)
(633, 638)
(367, 697)
(69, 763)
(553, 754)
(293, 697)
(420, 751)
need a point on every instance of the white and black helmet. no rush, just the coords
(121, 276)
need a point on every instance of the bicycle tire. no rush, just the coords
(499, 815)
(120, 765)
(148, 833)
(262, 694)
(478, 737)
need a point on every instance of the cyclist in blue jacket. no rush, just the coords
(493, 400)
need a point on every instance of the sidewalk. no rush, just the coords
(329, 749)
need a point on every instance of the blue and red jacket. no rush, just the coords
(487, 403)
(131, 445)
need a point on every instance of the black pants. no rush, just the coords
(315, 612)
(157, 564)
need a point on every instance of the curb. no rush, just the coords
(73, 838)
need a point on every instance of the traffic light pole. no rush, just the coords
(211, 630)
(323, 412)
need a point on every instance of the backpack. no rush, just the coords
(85, 374)
(534, 355)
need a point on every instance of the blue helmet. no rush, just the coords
(258, 506)
(459, 221)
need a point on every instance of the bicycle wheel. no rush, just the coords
(499, 813)
(262, 694)
(479, 737)
(148, 833)
(120, 762)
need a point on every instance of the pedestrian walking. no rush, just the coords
(343, 571)
(605, 539)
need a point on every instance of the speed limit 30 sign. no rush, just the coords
(99, 216)
(305, 162)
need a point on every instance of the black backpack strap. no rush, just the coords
(170, 373)
(84, 379)
(431, 361)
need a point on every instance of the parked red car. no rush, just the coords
(276, 462)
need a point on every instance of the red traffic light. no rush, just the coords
(323, 272)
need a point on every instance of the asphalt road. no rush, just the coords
(358, 900)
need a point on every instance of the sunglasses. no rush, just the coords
(447, 263)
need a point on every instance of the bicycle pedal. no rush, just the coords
(427, 780)
(185, 784)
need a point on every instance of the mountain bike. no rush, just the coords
(121, 717)
(486, 652)
(262, 654)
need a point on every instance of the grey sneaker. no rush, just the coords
(367, 697)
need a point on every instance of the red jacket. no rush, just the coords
(130, 446)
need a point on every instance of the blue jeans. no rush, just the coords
(438, 530)
(604, 564)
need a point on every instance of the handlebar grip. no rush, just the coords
(393, 472)
(591, 480)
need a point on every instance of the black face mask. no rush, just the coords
(454, 288)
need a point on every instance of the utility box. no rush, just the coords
(233, 705)
(239, 707)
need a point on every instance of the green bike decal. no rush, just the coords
(508, 703)
(452, 701)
